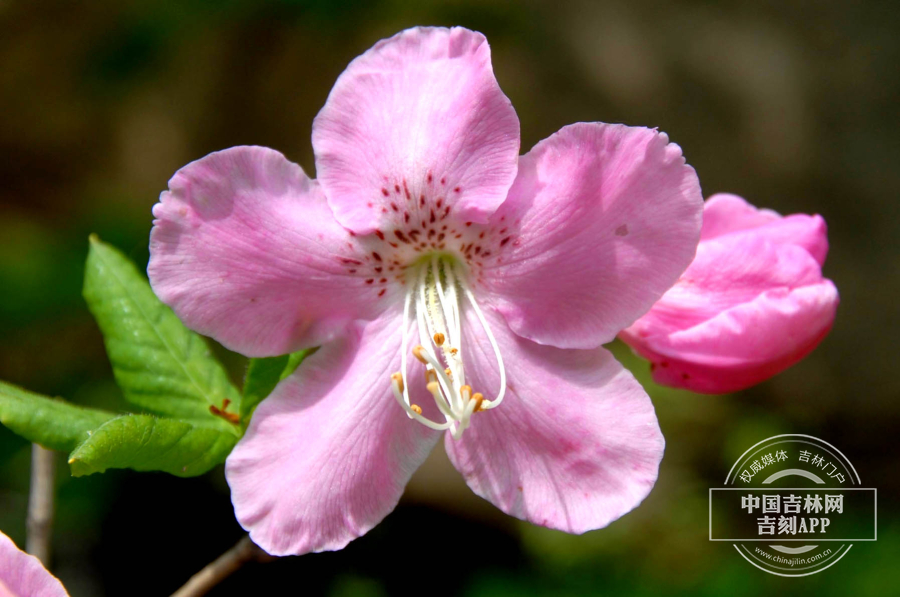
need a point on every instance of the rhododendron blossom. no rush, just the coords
(22, 575)
(453, 287)
(752, 303)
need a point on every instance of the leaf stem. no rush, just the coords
(40, 502)
(222, 567)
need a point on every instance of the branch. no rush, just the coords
(40, 503)
(243, 551)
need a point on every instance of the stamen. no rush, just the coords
(478, 398)
(404, 343)
(442, 377)
(446, 305)
(415, 412)
(439, 287)
(418, 352)
(438, 319)
(425, 323)
(398, 378)
(435, 390)
(502, 392)
(456, 324)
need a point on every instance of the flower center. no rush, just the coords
(434, 301)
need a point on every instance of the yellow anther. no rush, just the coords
(453, 351)
(398, 379)
(415, 408)
(478, 397)
(465, 392)
(430, 375)
(439, 339)
(434, 387)
(417, 352)
(448, 372)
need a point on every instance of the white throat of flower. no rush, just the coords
(436, 293)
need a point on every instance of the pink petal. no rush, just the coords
(420, 116)
(725, 214)
(745, 310)
(602, 220)
(573, 446)
(745, 345)
(22, 575)
(245, 249)
(327, 455)
(727, 272)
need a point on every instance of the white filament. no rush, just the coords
(502, 392)
(434, 295)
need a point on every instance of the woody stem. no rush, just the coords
(222, 567)
(40, 502)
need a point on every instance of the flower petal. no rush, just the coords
(745, 310)
(420, 115)
(327, 455)
(726, 272)
(22, 575)
(245, 249)
(574, 445)
(736, 349)
(725, 214)
(604, 219)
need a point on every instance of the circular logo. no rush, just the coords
(792, 506)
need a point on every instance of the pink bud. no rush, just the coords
(751, 304)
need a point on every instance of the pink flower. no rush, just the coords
(752, 303)
(22, 575)
(453, 287)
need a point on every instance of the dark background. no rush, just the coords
(790, 103)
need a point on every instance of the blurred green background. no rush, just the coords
(790, 103)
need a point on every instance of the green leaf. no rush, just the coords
(52, 423)
(294, 360)
(159, 364)
(262, 377)
(100, 440)
(146, 443)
